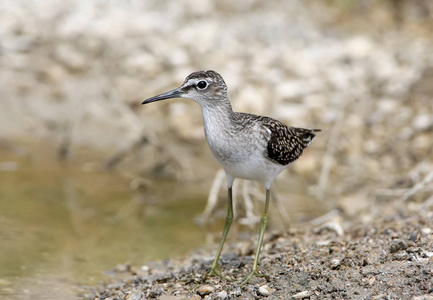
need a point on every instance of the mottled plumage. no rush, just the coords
(247, 146)
(284, 144)
(287, 143)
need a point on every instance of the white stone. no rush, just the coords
(423, 121)
(222, 295)
(265, 290)
(426, 230)
(301, 295)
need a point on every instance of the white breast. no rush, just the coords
(240, 153)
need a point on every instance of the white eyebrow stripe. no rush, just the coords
(192, 82)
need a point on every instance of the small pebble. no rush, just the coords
(335, 263)
(265, 290)
(423, 122)
(426, 230)
(222, 295)
(135, 295)
(123, 268)
(301, 295)
(205, 290)
(236, 292)
(423, 297)
(116, 285)
(397, 246)
(155, 293)
(170, 297)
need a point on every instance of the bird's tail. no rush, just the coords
(307, 135)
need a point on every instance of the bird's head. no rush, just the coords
(204, 87)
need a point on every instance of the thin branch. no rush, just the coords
(419, 186)
(212, 198)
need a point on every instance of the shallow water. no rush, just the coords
(64, 224)
(70, 222)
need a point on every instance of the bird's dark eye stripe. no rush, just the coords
(202, 84)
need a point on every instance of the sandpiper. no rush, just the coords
(247, 146)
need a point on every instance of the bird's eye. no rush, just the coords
(202, 85)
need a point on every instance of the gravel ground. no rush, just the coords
(382, 255)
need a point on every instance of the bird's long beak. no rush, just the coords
(176, 93)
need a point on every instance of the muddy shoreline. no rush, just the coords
(383, 254)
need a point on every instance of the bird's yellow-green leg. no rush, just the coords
(215, 269)
(263, 224)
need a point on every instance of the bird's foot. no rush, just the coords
(252, 274)
(216, 271)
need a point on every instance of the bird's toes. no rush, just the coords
(252, 274)
(216, 271)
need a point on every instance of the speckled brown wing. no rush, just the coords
(287, 143)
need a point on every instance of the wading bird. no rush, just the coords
(247, 146)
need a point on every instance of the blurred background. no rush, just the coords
(90, 179)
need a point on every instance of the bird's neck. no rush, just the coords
(217, 117)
